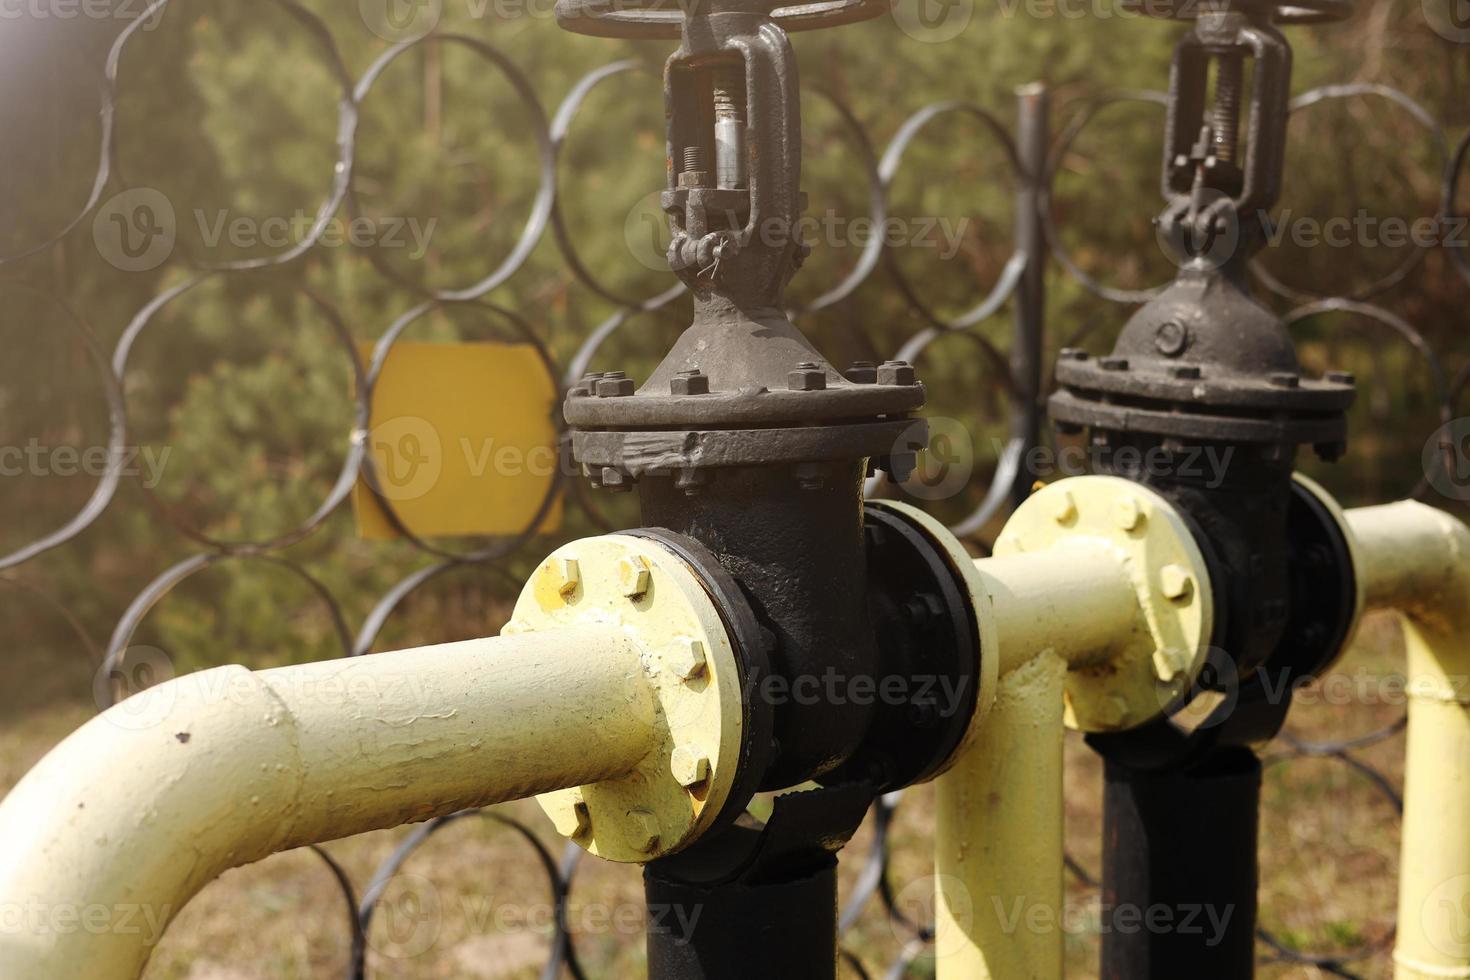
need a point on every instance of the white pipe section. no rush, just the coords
(136, 811)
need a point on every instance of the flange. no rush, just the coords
(962, 565)
(1326, 591)
(686, 657)
(1155, 674)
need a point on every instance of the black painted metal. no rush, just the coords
(1179, 869)
(1033, 138)
(786, 927)
(734, 202)
(797, 550)
(748, 441)
(758, 900)
(752, 645)
(925, 688)
(1206, 370)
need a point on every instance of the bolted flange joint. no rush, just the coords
(698, 653)
(1151, 671)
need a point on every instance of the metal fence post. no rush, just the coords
(1033, 134)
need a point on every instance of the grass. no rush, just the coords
(473, 902)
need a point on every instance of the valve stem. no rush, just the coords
(728, 85)
(1229, 82)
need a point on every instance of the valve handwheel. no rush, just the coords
(663, 20)
(1301, 12)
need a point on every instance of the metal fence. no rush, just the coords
(1035, 160)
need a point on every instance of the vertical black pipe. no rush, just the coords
(1033, 133)
(736, 930)
(1179, 869)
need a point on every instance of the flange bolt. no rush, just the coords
(614, 384)
(690, 382)
(807, 377)
(897, 373)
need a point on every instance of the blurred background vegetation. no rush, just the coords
(232, 108)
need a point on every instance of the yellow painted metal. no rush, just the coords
(639, 589)
(462, 440)
(1416, 560)
(1096, 588)
(998, 837)
(133, 813)
(1099, 537)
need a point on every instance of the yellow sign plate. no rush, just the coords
(462, 440)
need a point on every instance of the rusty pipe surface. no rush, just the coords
(144, 805)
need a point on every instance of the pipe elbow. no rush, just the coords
(161, 777)
(1416, 559)
(137, 810)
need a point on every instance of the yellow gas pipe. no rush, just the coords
(1100, 602)
(1415, 559)
(132, 814)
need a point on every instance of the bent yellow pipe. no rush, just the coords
(998, 833)
(137, 810)
(1416, 560)
(1100, 603)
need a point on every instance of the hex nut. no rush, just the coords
(1127, 515)
(862, 373)
(1164, 665)
(634, 576)
(687, 659)
(567, 574)
(807, 377)
(642, 830)
(1176, 583)
(1065, 510)
(614, 384)
(897, 373)
(573, 820)
(690, 766)
(693, 382)
(586, 386)
(1113, 710)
